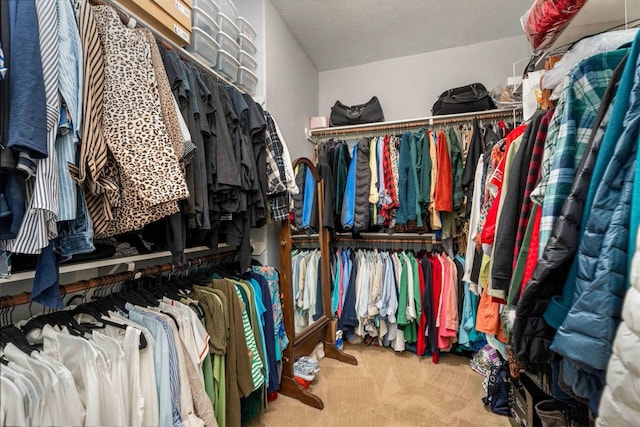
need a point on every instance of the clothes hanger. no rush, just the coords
(96, 314)
(11, 334)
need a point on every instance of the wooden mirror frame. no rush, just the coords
(303, 343)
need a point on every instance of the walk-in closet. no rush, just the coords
(320, 213)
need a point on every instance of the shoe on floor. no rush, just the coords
(303, 371)
(310, 362)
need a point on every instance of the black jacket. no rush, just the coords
(362, 213)
(507, 227)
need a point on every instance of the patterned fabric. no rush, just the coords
(279, 202)
(581, 100)
(274, 181)
(151, 179)
(532, 178)
(96, 170)
(167, 101)
(257, 367)
(488, 196)
(389, 180)
(3, 69)
(394, 156)
(39, 223)
(174, 383)
(70, 82)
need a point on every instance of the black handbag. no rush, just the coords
(343, 115)
(464, 99)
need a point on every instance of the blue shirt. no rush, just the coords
(70, 82)
(166, 363)
(349, 204)
(28, 109)
(307, 204)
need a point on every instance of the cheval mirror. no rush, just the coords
(306, 310)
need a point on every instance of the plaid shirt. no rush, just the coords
(571, 129)
(279, 200)
(532, 179)
(390, 183)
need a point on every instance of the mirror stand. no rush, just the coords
(303, 343)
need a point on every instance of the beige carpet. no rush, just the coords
(388, 389)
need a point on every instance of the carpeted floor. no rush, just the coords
(388, 389)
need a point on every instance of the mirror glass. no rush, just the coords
(306, 253)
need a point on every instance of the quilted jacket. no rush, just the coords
(586, 336)
(362, 212)
(620, 402)
(531, 334)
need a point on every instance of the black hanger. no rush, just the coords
(11, 334)
(103, 322)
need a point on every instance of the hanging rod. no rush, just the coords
(433, 241)
(122, 9)
(411, 123)
(23, 298)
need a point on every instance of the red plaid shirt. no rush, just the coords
(389, 184)
(532, 179)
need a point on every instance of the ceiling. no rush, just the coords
(343, 33)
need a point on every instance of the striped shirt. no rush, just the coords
(174, 376)
(70, 82)
(257, 367)
(39, 223)
(96, 171)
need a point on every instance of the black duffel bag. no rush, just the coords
(343, 115)
(464, 99)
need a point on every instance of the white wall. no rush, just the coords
(408, 86)
(291, 83)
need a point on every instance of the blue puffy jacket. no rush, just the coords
(586, 335)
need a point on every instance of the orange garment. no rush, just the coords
(488, 316)
(444, 187)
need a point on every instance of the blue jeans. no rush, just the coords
(75, 236)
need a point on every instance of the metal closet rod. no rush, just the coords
(169, 44)
(23, 298)
(389, 241)
(414, 123)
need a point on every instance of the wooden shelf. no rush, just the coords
(409, 123)
(130, 261)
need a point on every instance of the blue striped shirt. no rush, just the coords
(166, 361)
(70, 80)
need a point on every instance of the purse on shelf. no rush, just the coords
(464, 99)
(343, 115)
